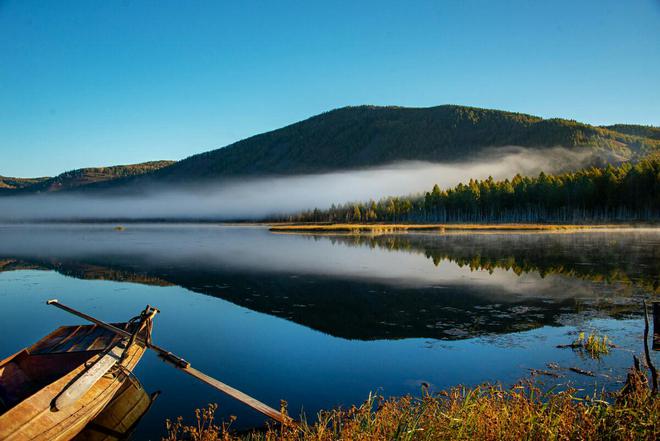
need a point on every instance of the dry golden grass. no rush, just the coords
(482, 413)
(384, 228)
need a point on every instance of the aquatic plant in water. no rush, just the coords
(594, 345)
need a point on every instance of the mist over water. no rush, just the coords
(257, 198)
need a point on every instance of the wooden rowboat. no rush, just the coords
(54, 388)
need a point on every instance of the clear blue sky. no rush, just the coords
(89, 83)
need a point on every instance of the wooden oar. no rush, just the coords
(183, 366)
(74, 391)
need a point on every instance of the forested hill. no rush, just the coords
(353, 137)
(636, 130)
(77, 178)
(365, 136)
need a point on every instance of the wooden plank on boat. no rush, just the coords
(79, 342)
(65, 339)
(88, 340)
(89, 377)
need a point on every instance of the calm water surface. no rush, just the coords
(322, 320)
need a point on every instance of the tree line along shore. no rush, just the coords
(597, 195)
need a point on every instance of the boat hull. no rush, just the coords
(34, 419)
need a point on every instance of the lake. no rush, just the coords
(323, 320)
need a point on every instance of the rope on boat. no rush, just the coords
(145, 318)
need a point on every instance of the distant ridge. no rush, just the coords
(367, 136)
(9, 183)
(77, 178)
(650, 132)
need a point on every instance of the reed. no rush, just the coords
(594, 345)
(487, 412)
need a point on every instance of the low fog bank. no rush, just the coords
(258, 198)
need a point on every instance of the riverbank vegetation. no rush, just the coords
(391, 228)
(487, 412)
(630, 192)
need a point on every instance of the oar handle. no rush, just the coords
(108, 326)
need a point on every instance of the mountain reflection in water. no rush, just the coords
(365, 287)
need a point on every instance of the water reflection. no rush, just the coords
(365, 287)
(120, 418)
(367, 295)
(628, 256)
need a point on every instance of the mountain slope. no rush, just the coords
(77, 178)
(636, 130)
(364, 136)
(9, 183)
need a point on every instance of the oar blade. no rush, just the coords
(79, 387)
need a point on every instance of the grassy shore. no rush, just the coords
(386, 228)
(487, 412)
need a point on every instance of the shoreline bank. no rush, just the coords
(390, 228)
